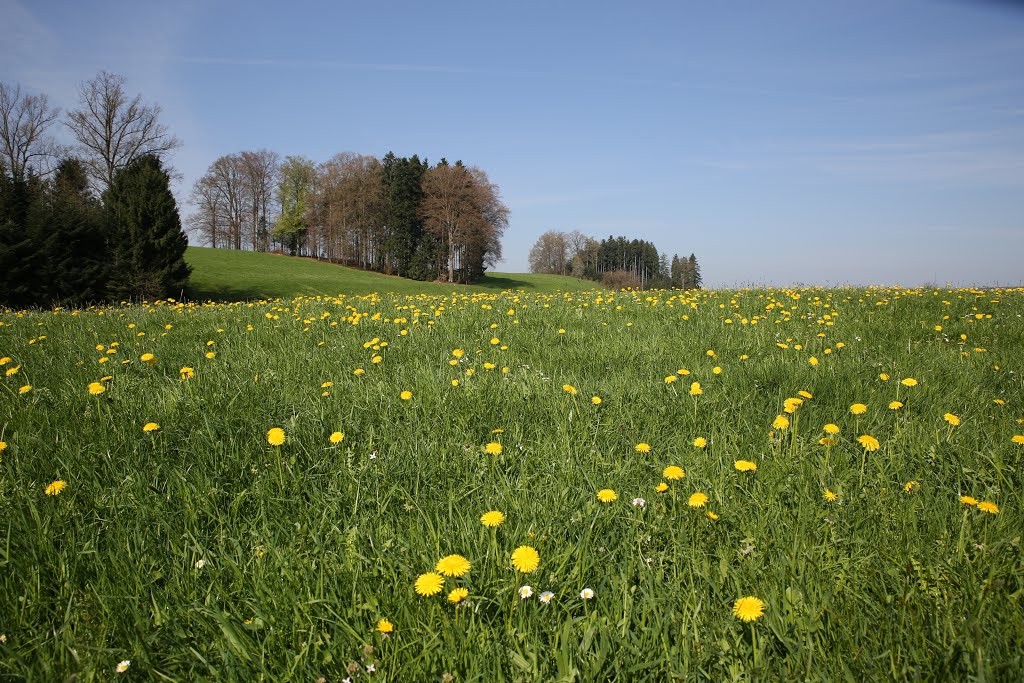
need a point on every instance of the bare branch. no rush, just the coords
(24, 120)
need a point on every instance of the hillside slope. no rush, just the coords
(227, 275)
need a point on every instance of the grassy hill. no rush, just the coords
(226, 275)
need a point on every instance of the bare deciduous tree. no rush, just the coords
(259, 171)
(113, 130)
(23, 123)
(550, 253)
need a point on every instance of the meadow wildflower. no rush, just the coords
(210, 355)
(713, 516)
(148, 358)
(951, 419)
(187, 373)
(1018, 439)
(969, 500)
(895, 405)
(405, 395)
(150, 427)
(429, 584)
(607, 496)
(453, 565)
(493, 448)
(673, 472)
(695, 389)
(908, 382)
(95, 388)
(831, 429)
(827, 441)
(546, 597)
(830, 496)
(780, 422)
(869, 442)
(200, 564)
(25, 389)
(587, 593)
(122, 666)
(596, 400)
(989, 507)
(697, 500)
(525, 592)
(56, 487)
(336, 437)
(884, 377)
(642, 447)
(569, 389)
(912, 487)
(790, 405)
(858, 409)
(275, 436)
(385, 626)
(700, 442)
(745, 466)
(748, 609)
(639, 502)
(492, 518)
(458, 595)
(525, 559)
(670, 378)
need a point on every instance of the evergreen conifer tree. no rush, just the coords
(76, 248)
(147, 242)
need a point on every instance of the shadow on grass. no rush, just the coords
(500, 283)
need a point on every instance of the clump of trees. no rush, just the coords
(396, 215)
(616, 262)
(92, 222)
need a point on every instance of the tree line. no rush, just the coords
(91, 222)
(616, 262)
(396, 215)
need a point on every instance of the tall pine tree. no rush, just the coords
(76, 248)
(148, 244)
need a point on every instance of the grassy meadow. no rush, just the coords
(273, 490)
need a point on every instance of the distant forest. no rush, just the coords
(616, 262)
(396, 215)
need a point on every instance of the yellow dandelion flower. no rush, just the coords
(385, 626)
(805, 394)
(869, 442)
(830, 496)
(781, 422)
(336, 437)
(211, 355)
(3, 445)
(458, 595)
(673, 472)
(596, 400)
(969, 500)
(745, 466)
(187, 373)
(95, 388)
(492, 518)
(912, 487)
(327, 385)
(56, 487)
(908, 382)
(700, 442)
(25, 389)
(405, 395)
(569, 389)
(895, 405)
(661, 487)
(671, 378)
(148, 358)
(493, 448)
(452, 565)
(682, 372)
(713, 516)
(831, 428)
(813, 361)
(642, 447)
(748, 609)
(697, 500)
(150, 427)
(989, 507)
(458, 353)
(716, 370)
(275, 436)
(858, 409)
(695, 389)
(525, 559)
(429, 584)
(607, 496)
(951, 419)
(827, 441)
(1018, 439)
(358, 371)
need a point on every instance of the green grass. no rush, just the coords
(227, 275)
(305, 547)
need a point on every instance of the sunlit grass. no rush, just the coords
(210, 547)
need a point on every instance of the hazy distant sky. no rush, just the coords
(782, 142)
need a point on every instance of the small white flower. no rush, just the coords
(546, 596)
(3, 638)
(639, 502)
(123, 666)
(373, 456)
(587, 593)
(525, 592)
(200, 564)
(370, 668)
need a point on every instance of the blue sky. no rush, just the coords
(786, 142)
